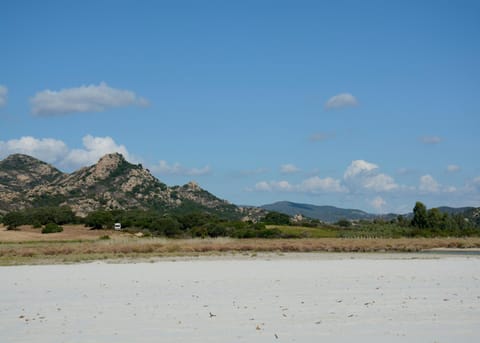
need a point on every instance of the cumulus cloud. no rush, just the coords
(91, 98)
(94, 149)
(428, 184)
(358, 167)
(3, 95)
(452, 168)
(45, 149)
(163, 167)
(378, 203)
(289, 169)
(364, 175)
(340, 101)
(57, 152)
(430, 139)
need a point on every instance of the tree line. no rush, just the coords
(424, 223)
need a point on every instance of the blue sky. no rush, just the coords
(363, 104)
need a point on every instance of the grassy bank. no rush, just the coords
(44, 252)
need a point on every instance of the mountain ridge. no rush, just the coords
(324, 213)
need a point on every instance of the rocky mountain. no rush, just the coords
(112, 183)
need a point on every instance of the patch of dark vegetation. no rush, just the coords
(52, 228)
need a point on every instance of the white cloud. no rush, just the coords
(318, 185)
(94, 149)
(45, 149)
(3, 95)
(163, 167)
(313, 185)
(380, 183)
(282, 186)
(430, 139)
(341, 100)
(359, 167)
(378, 203)
(56, 151)
(364, 175)
(91, 98)
(428, 184)
(263, 186)
(452, 168)
(289, 169)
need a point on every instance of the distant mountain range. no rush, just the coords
(331, 214)
(327, 214)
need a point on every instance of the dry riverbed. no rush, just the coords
(269, 298)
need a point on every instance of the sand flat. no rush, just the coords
(337, 298)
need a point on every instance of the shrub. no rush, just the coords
(52, 228)
(276, 218)
(344, 223)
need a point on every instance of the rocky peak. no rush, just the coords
(107, 164)
(19, 171)
(193, 186)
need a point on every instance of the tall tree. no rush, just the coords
(419, 215)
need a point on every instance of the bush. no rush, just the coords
(276, 218)
(344, 223)
(52, 228)
(269, 233)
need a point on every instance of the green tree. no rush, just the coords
(276, 218)
(99, 220)
(419, 216)
(13, 220)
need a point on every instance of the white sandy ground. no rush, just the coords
(314, 298)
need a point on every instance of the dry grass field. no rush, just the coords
(77, 243)
(27, 233)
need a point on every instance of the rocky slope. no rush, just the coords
(112, 183)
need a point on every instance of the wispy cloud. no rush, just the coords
(452, 168)
(289, 169)
(165, 168)
(431, 139)
(321, 136)
(378, 203)
(428, 184)
(3, 95)
(313, 185)
(91, 98)
(341, 100)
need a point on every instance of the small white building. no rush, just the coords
(117, 226)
